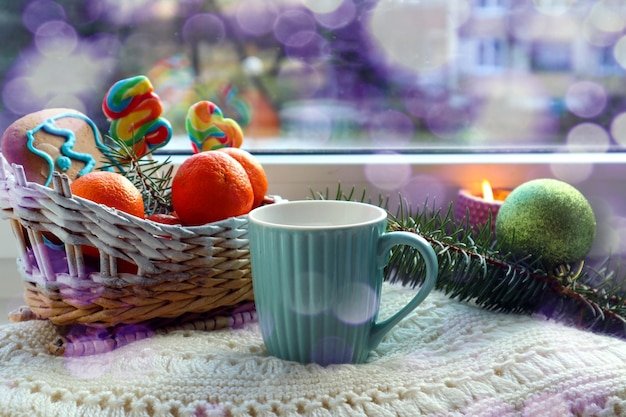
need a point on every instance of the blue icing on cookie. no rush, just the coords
(64, 163)
(67, 149)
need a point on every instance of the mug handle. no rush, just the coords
(385, 243)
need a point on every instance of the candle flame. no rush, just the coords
(487, 191)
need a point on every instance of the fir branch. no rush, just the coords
(474, 269)
(151, 177)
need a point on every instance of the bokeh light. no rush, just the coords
(357, 304)
(604, 23)
(572, 173)
(608, 237)
(256, 17)
(40, 77)
(618, 228)
(338, 18)
(323, 6)
(388, 177)
(509, 110)
(588, 137)
(419, 40)
(595, 36)
(38, 12)
(618, 224)
(619, 51)
(204, 27)
(164, 9)
(460, 12)
(252, 66)
(56, 38)
(425, 188)
(607, 16)
(18, 98)
(586, 98)
(318, 296)
(618, 128)
(294, 28)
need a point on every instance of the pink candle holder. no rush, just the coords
(479, 208)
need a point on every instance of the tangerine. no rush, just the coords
(111, 189)
(114, 190)
(210, 186)
(255, 171)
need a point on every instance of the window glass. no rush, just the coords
(336, 75)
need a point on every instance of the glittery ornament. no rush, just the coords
(549, 219)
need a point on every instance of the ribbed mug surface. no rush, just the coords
(317, 277)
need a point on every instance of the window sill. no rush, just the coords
(295, 176)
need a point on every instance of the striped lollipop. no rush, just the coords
(208, 129)
(135, 114)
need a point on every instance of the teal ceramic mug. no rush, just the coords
(317, 273)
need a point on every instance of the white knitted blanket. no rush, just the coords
(445, 359)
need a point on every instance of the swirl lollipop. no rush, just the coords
(230, 100)
(208, 129)
(134, 110)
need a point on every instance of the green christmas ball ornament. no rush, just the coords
(547, 218)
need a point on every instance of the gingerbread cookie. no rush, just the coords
(62, 140)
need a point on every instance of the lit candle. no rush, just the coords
(479, 208)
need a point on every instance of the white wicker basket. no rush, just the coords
(181, 271)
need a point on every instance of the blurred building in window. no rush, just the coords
(371, 74)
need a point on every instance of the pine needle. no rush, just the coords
(151, 177)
